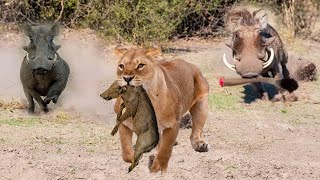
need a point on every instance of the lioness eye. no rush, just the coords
(121, 66)
(141, 66)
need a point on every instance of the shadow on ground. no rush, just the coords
(251, 95)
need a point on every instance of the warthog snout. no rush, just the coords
(250, 75)
(40, 71)
(105, 97)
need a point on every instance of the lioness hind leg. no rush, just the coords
(126, 143)
(199, 113)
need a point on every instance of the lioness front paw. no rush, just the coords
(202, 147)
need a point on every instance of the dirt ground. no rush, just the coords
(249, 138)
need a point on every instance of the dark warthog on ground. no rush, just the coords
(256, 47)
(43, 72)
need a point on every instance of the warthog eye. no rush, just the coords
(31, 40)
(140, 66)
(121, 66)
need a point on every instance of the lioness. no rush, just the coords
(174, 87)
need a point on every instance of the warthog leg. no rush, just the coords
(122, 118)
(55, 91)
(30, 101)
(38, 98)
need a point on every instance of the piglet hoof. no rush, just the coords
(114, 131)
(151, 159)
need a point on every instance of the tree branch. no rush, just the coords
(61, 12)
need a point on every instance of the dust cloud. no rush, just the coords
(93, 69)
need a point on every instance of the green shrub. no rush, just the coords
(138, 21)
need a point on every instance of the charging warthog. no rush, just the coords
(43, 72)
(256, 47)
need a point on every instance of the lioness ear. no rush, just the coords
(153, 51)
(120, 50)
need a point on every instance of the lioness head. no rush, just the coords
(136, 66)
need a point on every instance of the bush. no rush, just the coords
(299, 16)
(138, 21)
(144, 21)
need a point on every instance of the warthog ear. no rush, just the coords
(229, 45)
(268, 41)
(57, 47)
(153, 51)
(27, 29)
(263, 21)
(55, 29)
(25, 48)
(256, 12)
(120, 50)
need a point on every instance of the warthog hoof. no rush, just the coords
(31, 110)
(54, 99)
(45, 109)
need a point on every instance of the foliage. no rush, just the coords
(299, 16)
(139, 21)
(145, 21)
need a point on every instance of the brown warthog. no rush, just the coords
(256, 47)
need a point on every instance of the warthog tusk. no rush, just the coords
(55, 58)
(232, 67)
(27, 57)
(270, 60)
